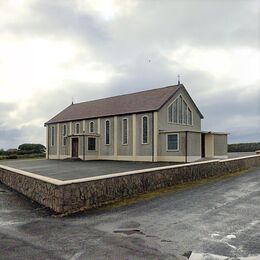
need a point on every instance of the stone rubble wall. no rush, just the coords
(75, 195)
(35, 187)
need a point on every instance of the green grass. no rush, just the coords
(21, 156)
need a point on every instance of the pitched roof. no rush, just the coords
(145, 101)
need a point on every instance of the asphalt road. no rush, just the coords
(220, 218)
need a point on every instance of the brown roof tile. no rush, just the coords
(149, 100)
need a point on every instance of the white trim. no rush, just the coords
(193, 158)
(52, 136)
(95, 143)
(113, 175)
(91, 157)
(144, 158)
(109, 132)
(155, 136)
(47, 141)
(58, 139)
(106, 157)
(178, 143)
(170, 158)
(64, 135)
(142, 121)
(115, 136)
(134, 135)
(34, 175)
(240, 158)
(220, 156)
(75, 128)
(71, 128)
(148, 170)
(53, 157)
(122, 131)
(89, 127)
(84, 126)
(125, 158)
(99, 133)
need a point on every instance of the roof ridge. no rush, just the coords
(94, 100)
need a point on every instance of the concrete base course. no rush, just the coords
(80, 194)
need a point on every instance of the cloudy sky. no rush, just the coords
(51, 51)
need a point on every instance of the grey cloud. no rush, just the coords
(56, 20)
(9, 137)
(152, 24)
(12, 137)
(133, 44)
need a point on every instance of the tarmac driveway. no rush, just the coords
(216, 220)
(68, 170)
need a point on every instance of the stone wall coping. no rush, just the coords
(32, 175)
(119, 174)
(113, 175)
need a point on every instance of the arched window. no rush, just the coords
(64, 135)
(107, 132)
(125, 131)
(179, 112)
(91, 127)
(77, 128)
(52, 136)
(145, 130)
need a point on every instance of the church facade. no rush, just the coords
(162, 124)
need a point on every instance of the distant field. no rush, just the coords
(243, 147)
(21, 156)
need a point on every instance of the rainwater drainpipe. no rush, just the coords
(152, 137)
(84, 146)
(186, 146)
(48, 142)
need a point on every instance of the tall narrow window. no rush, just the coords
(52, 136)
(77, 128)
(172, 142)
(184, 111)
(180, 110)
(125, 131)
(175, 112)
(145, 130)
(189, 117)
(91, 127)
(170, 111)
(107, 132)
(64, 134)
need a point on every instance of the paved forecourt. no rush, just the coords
(71, 170)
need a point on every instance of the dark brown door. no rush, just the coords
(202, 145)
(75, 147)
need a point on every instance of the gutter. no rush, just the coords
(152, 137)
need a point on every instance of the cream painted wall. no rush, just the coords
(220, 144)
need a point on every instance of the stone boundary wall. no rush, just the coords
(75, 195)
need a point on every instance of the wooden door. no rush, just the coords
(202, 145)
(75, 147)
